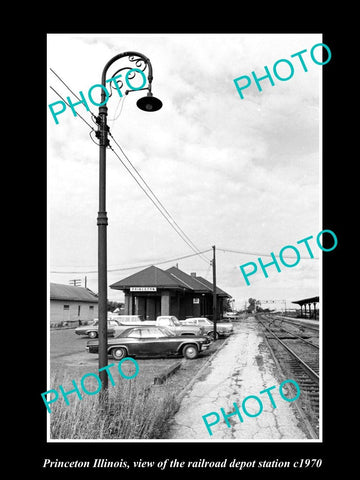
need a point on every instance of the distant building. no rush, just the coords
(72, 305)
(153, 292)
(307, 303)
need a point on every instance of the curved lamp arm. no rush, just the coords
(142, 57)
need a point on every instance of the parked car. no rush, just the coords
(129, 320)
(207, 326)
(173, 324)
(91, 330)
(231, 315)
(151, 341)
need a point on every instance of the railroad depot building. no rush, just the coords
(71, 305)
(153, 292)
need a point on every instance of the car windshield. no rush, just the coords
(176, 321)
(124, 333)
(204, 321)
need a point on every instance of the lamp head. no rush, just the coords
(149, 103)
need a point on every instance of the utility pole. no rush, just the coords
(214, 292)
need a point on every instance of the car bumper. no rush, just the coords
(205, 346)
(92, 350)
(226, 333)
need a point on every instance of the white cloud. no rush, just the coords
(241, 174)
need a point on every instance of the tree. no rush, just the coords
(227, 305)
(111, 305)
(251, 306)
(254, 305)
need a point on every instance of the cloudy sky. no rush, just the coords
(242, 175)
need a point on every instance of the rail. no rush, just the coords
(309, 371)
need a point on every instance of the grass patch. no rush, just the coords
(134, 411)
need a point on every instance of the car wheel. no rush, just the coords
(212, 336)
(118, 353)
(92, 334)
(190, 351)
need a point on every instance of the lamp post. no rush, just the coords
(147, 104)
(214, 293)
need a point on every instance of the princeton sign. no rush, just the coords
(142, 289)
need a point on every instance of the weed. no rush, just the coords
(132, 411)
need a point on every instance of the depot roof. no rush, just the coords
(172, 278)
(191, 281)
(307, 300)
(197, 283)
(58, 291)
(150, 276)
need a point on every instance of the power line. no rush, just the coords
(78, 114)
(260, 254)
(133, 267)
(62, 81)
(172, 221)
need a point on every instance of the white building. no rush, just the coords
(71, 305)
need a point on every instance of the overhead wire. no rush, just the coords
(121, 103)
(67, 103)
(172, 221)
(259, 254)
(134, 267)
(62, 81)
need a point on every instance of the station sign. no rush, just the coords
(143, 289)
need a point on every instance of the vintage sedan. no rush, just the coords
(151, 341)
(91, 330)
(207, 326)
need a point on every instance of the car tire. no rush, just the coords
(118, 353)
(212, 336)
(93, 334)
(190, 351)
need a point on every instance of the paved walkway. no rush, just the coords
(243, 367)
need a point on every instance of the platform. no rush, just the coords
(243, 367)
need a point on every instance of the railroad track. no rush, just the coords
(295, 323)
(300, 329)
(298, 358)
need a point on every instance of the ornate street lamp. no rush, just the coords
(147, 104)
